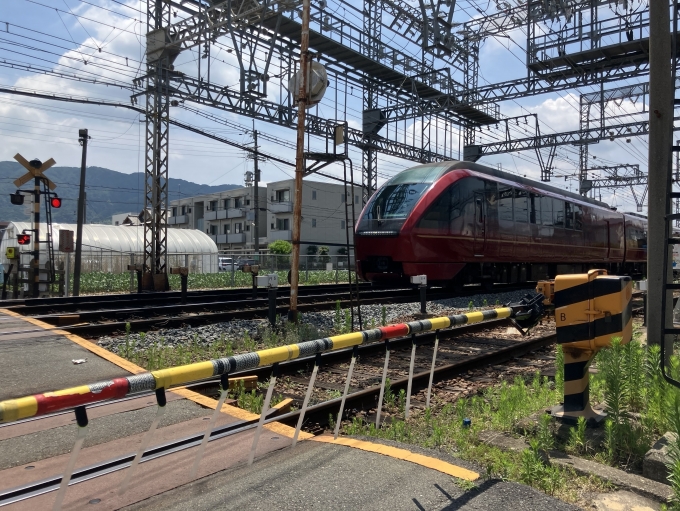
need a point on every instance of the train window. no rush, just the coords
(504, 202)
(463, 204)
(558, 213)
(535, 208)
(547, 211)
(569, 215)
(521, 205)
(396, 199)
(437, 215)
(491, 191)
(578, 217)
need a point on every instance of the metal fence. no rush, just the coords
(109, 261)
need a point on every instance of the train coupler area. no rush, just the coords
(527, 312)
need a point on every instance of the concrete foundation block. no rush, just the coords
(654, 464)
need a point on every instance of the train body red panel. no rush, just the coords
(459, 222)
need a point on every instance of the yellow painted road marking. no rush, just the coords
(403, 454)
(197, 398)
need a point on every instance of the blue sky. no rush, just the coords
(73, 32)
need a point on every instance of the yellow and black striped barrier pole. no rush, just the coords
(590, 310)
(524, 313)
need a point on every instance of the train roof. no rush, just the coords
(466, 165)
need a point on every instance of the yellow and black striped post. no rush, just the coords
(590, 310)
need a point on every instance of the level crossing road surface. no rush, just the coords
(36, 357)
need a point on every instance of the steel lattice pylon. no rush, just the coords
(156, 155)
(369, 157)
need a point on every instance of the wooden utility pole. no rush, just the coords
(299, 160)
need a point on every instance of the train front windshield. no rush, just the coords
(390, 206)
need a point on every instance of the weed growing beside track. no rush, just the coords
(627, 381)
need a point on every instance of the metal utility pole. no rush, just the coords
(299, 161)
(36, 231)
(660, 141)
(257, 197)
(83, 137)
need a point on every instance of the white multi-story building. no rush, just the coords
(323, 213)
(227, 217)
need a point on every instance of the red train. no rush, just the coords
(459, 222)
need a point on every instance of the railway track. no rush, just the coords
(461, 349)
(38, 306)
(218, 308)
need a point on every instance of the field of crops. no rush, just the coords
(102, 282)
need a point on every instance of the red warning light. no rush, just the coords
(56, 202)
(23, 239)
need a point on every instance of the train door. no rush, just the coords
(480, 224)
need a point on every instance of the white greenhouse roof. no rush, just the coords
(122, 238)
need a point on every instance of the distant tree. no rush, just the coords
(342, 251)
(280, 247)
(323, 252)
(312, 249)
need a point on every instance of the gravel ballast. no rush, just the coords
(319, 324)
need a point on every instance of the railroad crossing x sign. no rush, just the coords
(33, 172)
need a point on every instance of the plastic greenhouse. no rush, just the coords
(111, 248)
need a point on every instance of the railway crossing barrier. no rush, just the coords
(524, 314)
(590, 310)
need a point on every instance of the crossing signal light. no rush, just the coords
(16, 198)
(55, 202)
(23, 239)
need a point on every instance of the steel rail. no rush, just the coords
(362, 398)
(136, 325)
(62, 304)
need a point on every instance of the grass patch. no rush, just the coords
(105, 282)
(640, 407)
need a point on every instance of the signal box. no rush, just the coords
(592, 308)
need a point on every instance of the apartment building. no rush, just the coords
(323, 213)
(227, 217)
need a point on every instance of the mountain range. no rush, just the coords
(108, 192)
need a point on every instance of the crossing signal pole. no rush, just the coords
(35, 170)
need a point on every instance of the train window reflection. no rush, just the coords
(437, 215)
(547, 211)
(505, 202)
(521, 205)
(535, 208)
(578, 217)
(558, 213)
(569, 216)
(401, 193)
